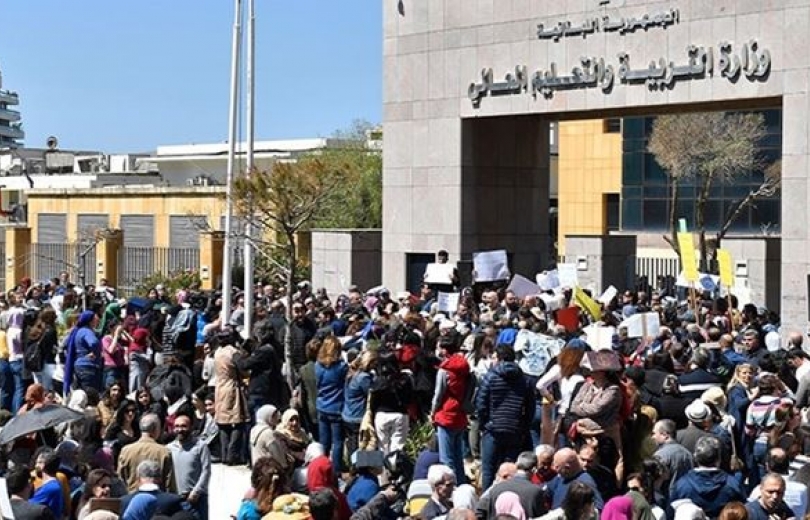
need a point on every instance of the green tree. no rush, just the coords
(283, 201)
(708, 148)
(361, 164)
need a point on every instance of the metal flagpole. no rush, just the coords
(232, 118)
(251, 127)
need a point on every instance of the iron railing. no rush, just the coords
(135, 264)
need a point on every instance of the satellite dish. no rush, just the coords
(52, 143)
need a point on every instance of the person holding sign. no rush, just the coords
(441, 276)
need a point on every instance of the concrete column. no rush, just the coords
(211, 249)
(18, 246)
(107, 250)
(505, 190)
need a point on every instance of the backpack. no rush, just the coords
(468, 404)
(33, 356)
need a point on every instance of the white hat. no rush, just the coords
(698, 411)
(447, 324)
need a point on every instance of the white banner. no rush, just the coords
(491, 266)
(439, 273)
(447, 302)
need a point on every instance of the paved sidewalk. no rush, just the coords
(226, 489)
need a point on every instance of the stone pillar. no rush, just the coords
(107, 249)
(603, 261)
(505, 190)
(18, 245)
(211, 250)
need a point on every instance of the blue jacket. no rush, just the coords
(362, 491)
(558, 488)
(330, 382)
(355, 397)
(709, 489)
(505, 401)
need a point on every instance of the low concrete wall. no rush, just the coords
(345, 257)
(762, 257)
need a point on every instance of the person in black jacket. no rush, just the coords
(302, 330)
(504, 405)
(264, 367)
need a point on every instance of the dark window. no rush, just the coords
(612, 126)
(612, 209)
(631, 214)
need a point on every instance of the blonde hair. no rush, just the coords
(735, 378)
(330, 351)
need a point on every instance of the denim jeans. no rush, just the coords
(330, 429)
(451, 450)
(19, 385)
(6, 385)
(497, 448)
(87, 377)
(536, 428)
(113, 375)
(45, 377)
(200, 509)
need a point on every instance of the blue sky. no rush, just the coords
(128, 75)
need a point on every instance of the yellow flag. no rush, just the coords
(688, 259)
(587, 303)
(726, 274)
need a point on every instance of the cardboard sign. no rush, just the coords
(551, 301)
(688, 258)
(587, 303)
(725, 263)
(523, 287)
(439, 273)
(599, 338)
(608, 295)
(447, 302)
(646, 325)
(568, 275)
(491, 266)
(569, 318)
(548, 280)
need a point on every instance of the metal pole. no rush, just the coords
(232, 117)
(251, 128)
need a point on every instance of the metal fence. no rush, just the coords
(138, 263)
(656, 273)
(46, 261)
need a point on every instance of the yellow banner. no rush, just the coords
(688, 258)
(726, 273)
(587, 304)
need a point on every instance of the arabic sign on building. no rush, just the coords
(751, 61)
(608, 24)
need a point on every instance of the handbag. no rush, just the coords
(367, 437)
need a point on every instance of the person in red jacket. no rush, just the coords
(447, 409)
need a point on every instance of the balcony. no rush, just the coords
(8, 97)
(9, 115)
(11, 132)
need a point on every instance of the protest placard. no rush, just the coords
(447, 302)
(490, 266)
(646, 325)
(523, 287)
(439, 273)
(568, 275)
(548, 280)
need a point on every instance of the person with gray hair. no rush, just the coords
(146, 448)
(442, 480)
(531, 495)
(707, 486)
(677, 459)
(149, 499)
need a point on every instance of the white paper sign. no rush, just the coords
(5, 503)
(523, 287)
(608, 295)
(439, 273)
(552, 301)
(548, 280)
(644, 325)
(491, 266)
(447, 302)
(599, 338)
(703, 281)
(568, 275)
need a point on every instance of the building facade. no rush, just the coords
(11, 132)
(470, 91)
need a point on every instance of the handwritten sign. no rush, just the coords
(439, 273)
(523, 287)
(608, 295)
(491, 266)
(646, 325)
(599, 338)
(447, 302)
(725, 263)
(594, 72)
(688, 258)
(548, 280)
(568, 275)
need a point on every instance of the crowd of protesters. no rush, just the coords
(499, 409)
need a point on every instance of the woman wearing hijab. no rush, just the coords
(618, 508)
(112, 316)
(320, 475)
(83, 359)
(291, 441)
(508, 503)
(261, 435)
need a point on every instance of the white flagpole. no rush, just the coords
(251, 128)
(232, 118)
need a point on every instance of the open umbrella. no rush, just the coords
(37, 419)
